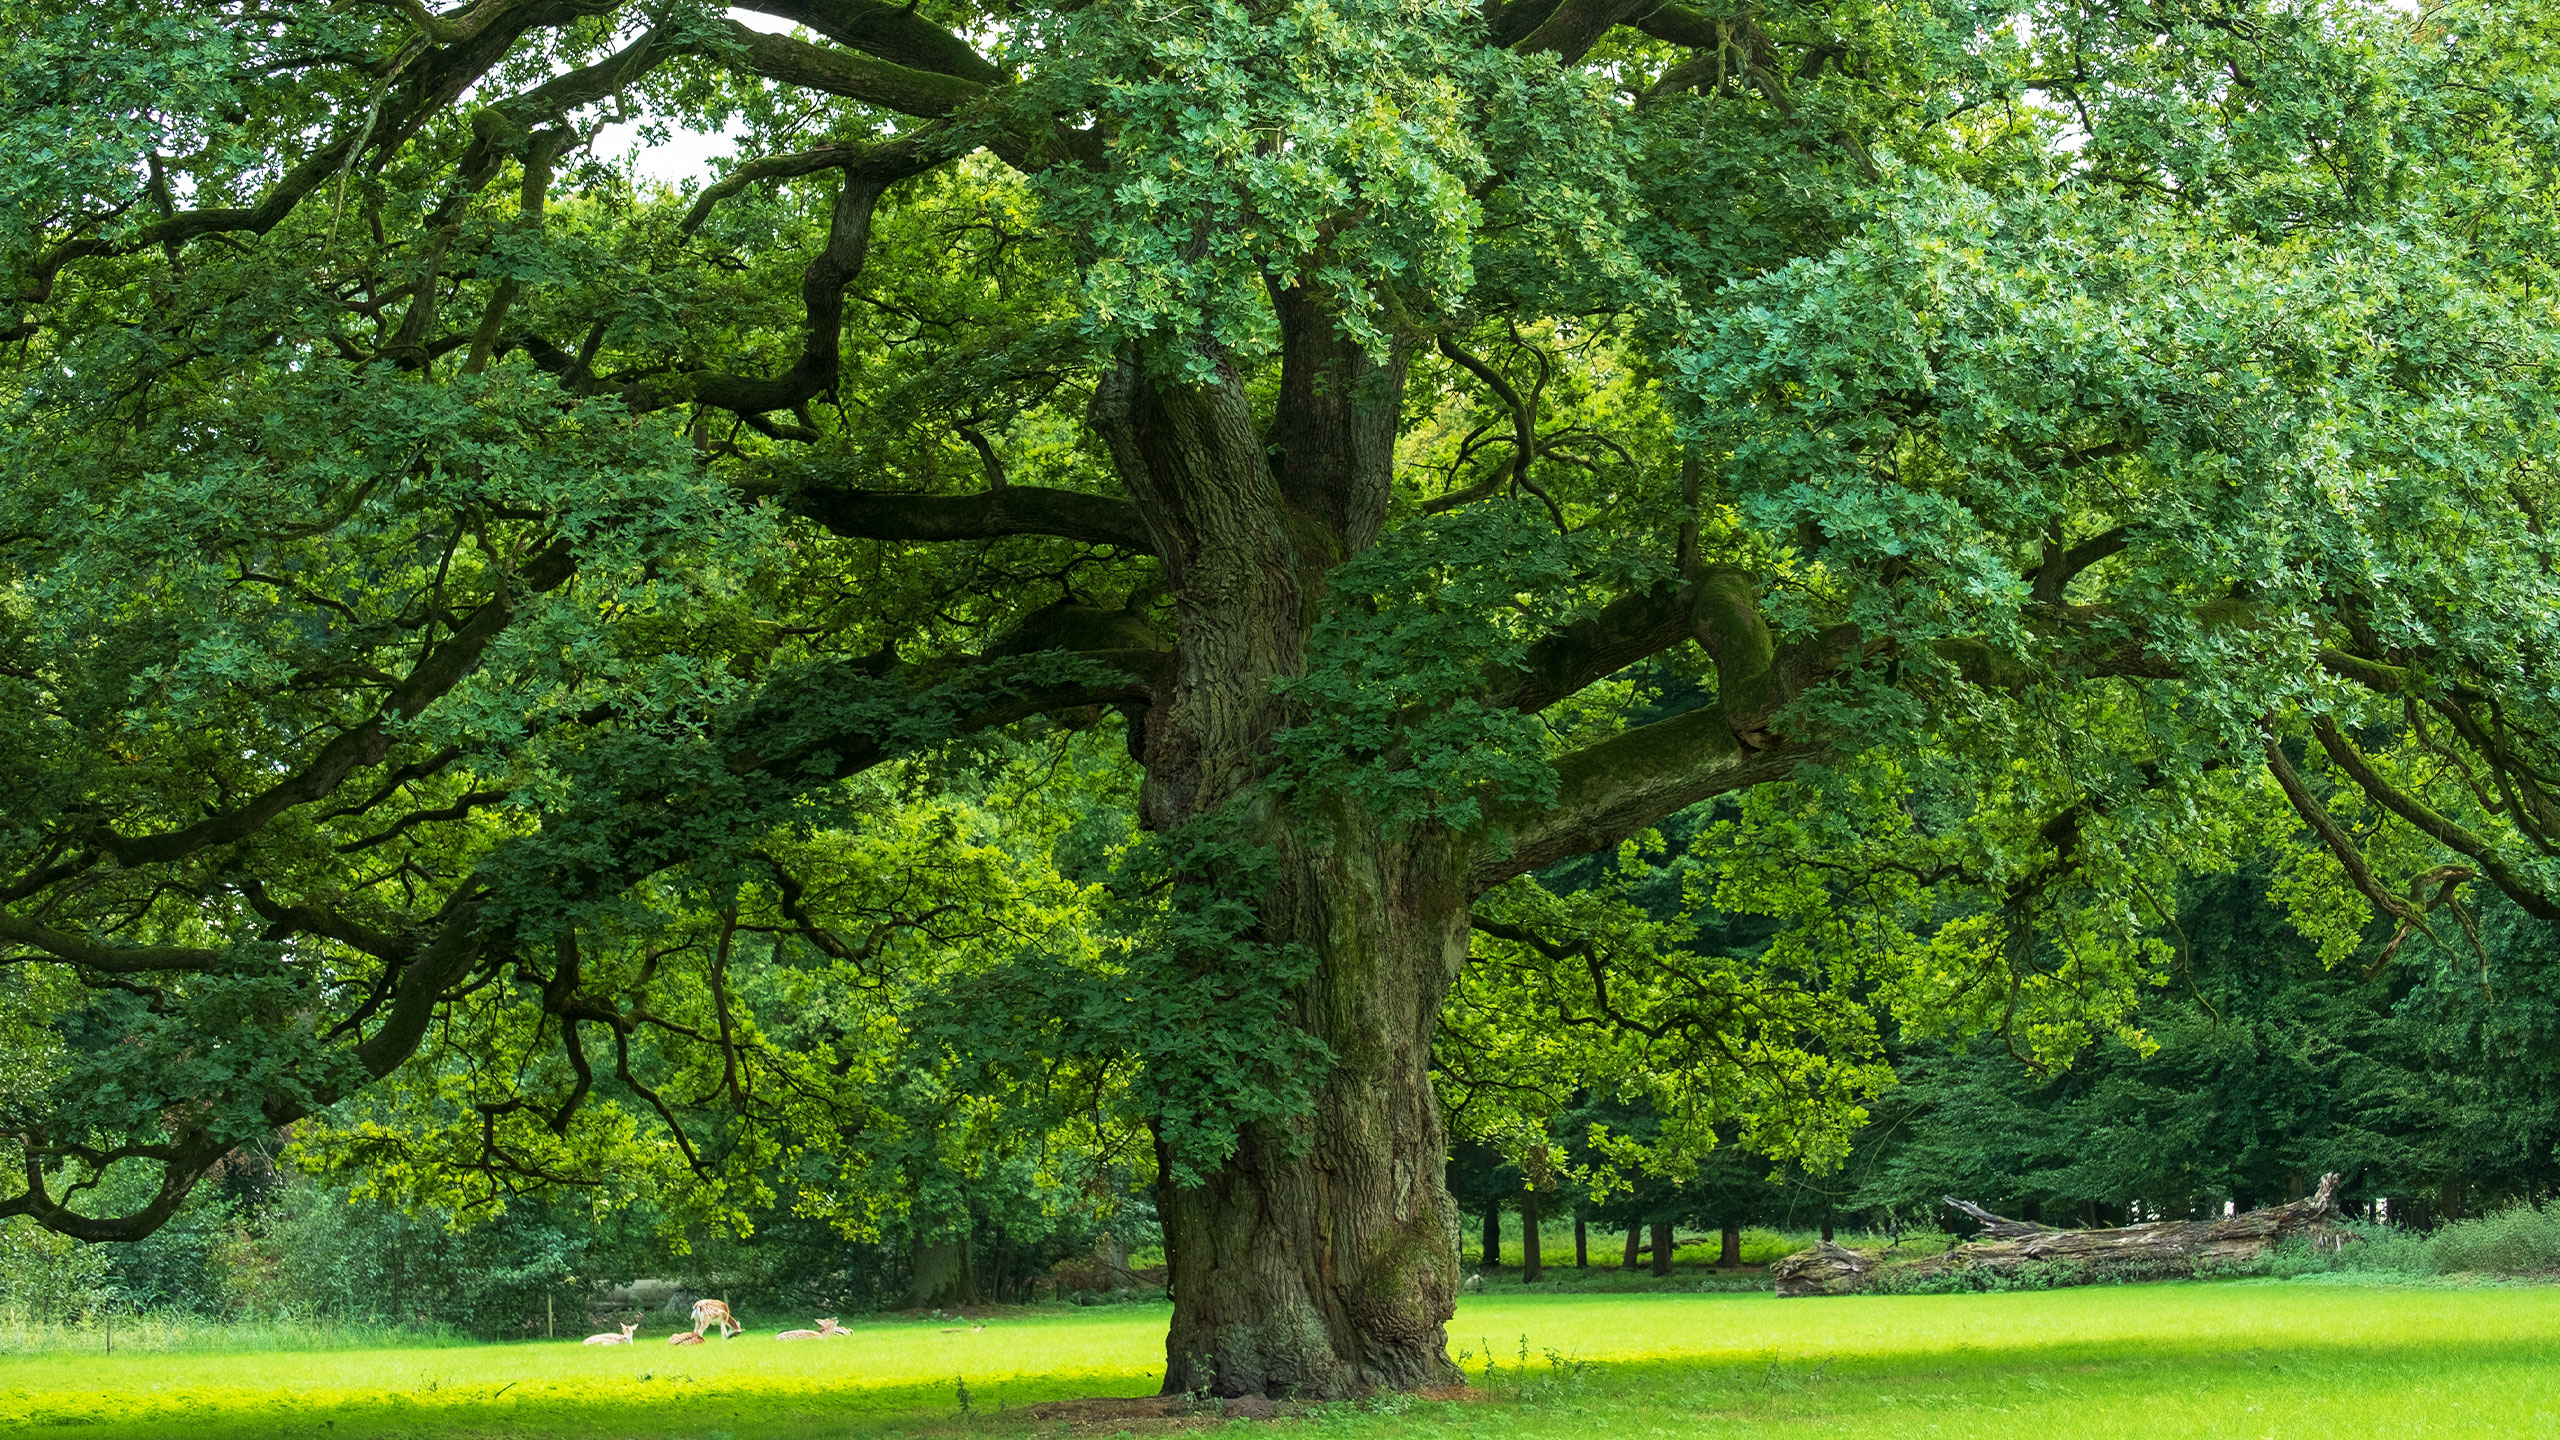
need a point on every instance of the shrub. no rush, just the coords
(2031, 1275)
(2521, 1241)
(2374, 1249)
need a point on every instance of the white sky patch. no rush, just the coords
(686, 154)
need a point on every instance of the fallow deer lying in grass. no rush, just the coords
(684, 1337)
(622, 1339)
(707, 1313)
(826, 1327)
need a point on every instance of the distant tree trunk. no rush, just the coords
(1112, 1254)
(1492, 1233)
(1581, 1245)
(1635, 1245)
(1729, 1253)
(1663, 1244)
(2449, 1198)
(1826, 1222)
(942, 1274)
(1531, 1266)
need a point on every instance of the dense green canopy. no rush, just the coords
(1046, 612)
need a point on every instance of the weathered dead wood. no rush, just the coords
(2162, 1247)
(1826, 1269)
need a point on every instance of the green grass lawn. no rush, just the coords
(2243, 1360)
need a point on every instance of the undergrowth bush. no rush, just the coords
(2373, 1249)
(2521, 1241)
(2031, 1275)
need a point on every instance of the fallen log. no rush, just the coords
(2162, 1247)
(1826, 1269)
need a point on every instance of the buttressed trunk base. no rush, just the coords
(1322, 1260)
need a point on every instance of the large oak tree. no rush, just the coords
(456, 593)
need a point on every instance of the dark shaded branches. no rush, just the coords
(446, 664)
(800, 735)
(1013, 510)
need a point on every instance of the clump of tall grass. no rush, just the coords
(2524, 1240)
(2353, 1247)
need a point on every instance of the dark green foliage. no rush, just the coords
(2424, 1081)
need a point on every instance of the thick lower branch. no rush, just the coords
(988, 515)
(1609, 791)
(924, 93)
(895, 33)
(775, 743)
(2433, 824)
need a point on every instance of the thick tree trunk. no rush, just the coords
(1729, 1252)
(1635, 1247)
(1663, 1244)
(1581, 1245)
(1322, 1258)
(1532, 1257)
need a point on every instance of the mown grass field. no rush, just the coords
(2243, 1360)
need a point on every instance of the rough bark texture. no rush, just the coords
(1322, 1258)
(2163, 1246)
(1826, 1269)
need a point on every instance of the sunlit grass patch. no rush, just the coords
(2163, 1360)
